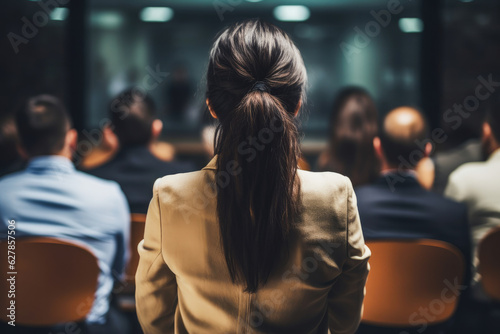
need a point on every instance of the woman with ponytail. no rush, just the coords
(251, 244)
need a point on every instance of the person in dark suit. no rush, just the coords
(135, 167)
(396, 206)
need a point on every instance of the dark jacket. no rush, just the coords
(136, 169)
(404, 210)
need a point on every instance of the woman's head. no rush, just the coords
(353, 126)
(253, 52)
(255, 86)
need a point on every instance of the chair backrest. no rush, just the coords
(136, 235)
(489, 263)
(56, 281)
(410, 277)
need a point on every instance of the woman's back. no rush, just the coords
(250, 243)
(183, 280)
(353, 126)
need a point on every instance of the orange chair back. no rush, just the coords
(407, 277)
(136, 235)
(56, 281)
(489, 263)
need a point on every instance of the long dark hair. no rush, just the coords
(353, 126)
(255, 84)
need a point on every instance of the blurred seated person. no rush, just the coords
(448, 161)
(109, 146)
(135, 167)
(52, 199)
(353, 127)
(396, 206)
(477, 184)
(10, 159)
(465, 140)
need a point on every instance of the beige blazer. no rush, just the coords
(183, 285)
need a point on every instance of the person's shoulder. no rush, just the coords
(446, 205)
(96, 183)
(440, 200)
(12, 178)
(372, 192)
(469, 169)
(326, 181)
(467, 174)
(181, 183)
(98, 193)
(324, 189)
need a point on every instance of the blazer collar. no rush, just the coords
(212, 164)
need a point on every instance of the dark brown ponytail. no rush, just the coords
(255, 84)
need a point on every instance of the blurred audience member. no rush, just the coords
(353, 126)
(396, 206)
(10, 159)
(447, 161)
(135, 167)
(109, 146)
(51, 199)
(478, 184)
(463, 145)
(102, 153)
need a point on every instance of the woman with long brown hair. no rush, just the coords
(353, 126)
(251, 244)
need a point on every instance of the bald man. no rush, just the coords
(396, 206)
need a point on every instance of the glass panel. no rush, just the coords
(343, 42)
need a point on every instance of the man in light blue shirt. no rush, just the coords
(52, 199)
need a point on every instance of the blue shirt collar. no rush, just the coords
(51, 162)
